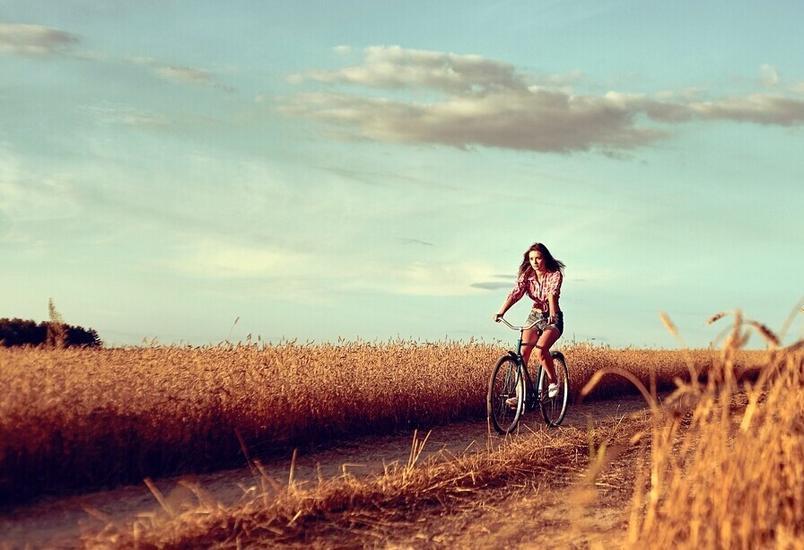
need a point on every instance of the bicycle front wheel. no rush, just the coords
(554, 408)
(505, 399)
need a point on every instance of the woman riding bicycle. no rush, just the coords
(540, 276)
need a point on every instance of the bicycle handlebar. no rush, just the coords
(516, 327)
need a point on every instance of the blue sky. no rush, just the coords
(375, 170)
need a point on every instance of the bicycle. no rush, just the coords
(510, 379)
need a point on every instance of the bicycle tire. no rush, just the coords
(506, 377)
(554, 409)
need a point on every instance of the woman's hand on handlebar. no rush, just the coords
(497, 317)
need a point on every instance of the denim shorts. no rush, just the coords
(540, 318)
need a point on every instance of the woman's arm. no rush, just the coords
(553, 292)
(552, 303)
(513, 297)
(509, 301)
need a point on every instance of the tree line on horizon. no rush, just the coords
(25, 332)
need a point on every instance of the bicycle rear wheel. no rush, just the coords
(554, 409)
(506, 382)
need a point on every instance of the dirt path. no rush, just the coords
(569, 512)
(58, 522)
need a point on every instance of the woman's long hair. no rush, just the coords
(551, 263)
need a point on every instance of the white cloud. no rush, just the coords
(218, 259)
(184, 74)
(178, 73)
(756, 108)
(438, 279)
(128, 116)
(563, 82)
(213, 258)
(342, 50)
(684, 94)
(396, 67)
(539, 121)
(28, 195)
(39, 41)
(34, 40)
(489, 103)
(769, 76)
(416, 278)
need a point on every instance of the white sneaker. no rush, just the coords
(552, 390)
(513, 401)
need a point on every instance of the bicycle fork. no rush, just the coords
(526, 386)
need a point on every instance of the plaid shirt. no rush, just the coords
(539, 292)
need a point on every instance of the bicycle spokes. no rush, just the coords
(504, 397)
(554, 408)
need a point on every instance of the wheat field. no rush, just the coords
(72, 419)
(716, 464)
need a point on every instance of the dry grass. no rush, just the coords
(730, 472)
(77, 418)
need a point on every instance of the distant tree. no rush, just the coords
(79, 336)
(52, 333)
(23, 332)
(56, 328)
(19, 332)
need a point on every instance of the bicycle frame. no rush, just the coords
(529, 386)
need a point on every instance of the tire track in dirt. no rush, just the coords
(58, 522)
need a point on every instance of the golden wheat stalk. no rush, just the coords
(769, 336)
(716, 317)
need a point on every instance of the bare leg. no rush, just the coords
(529, 338)
(547, 339)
